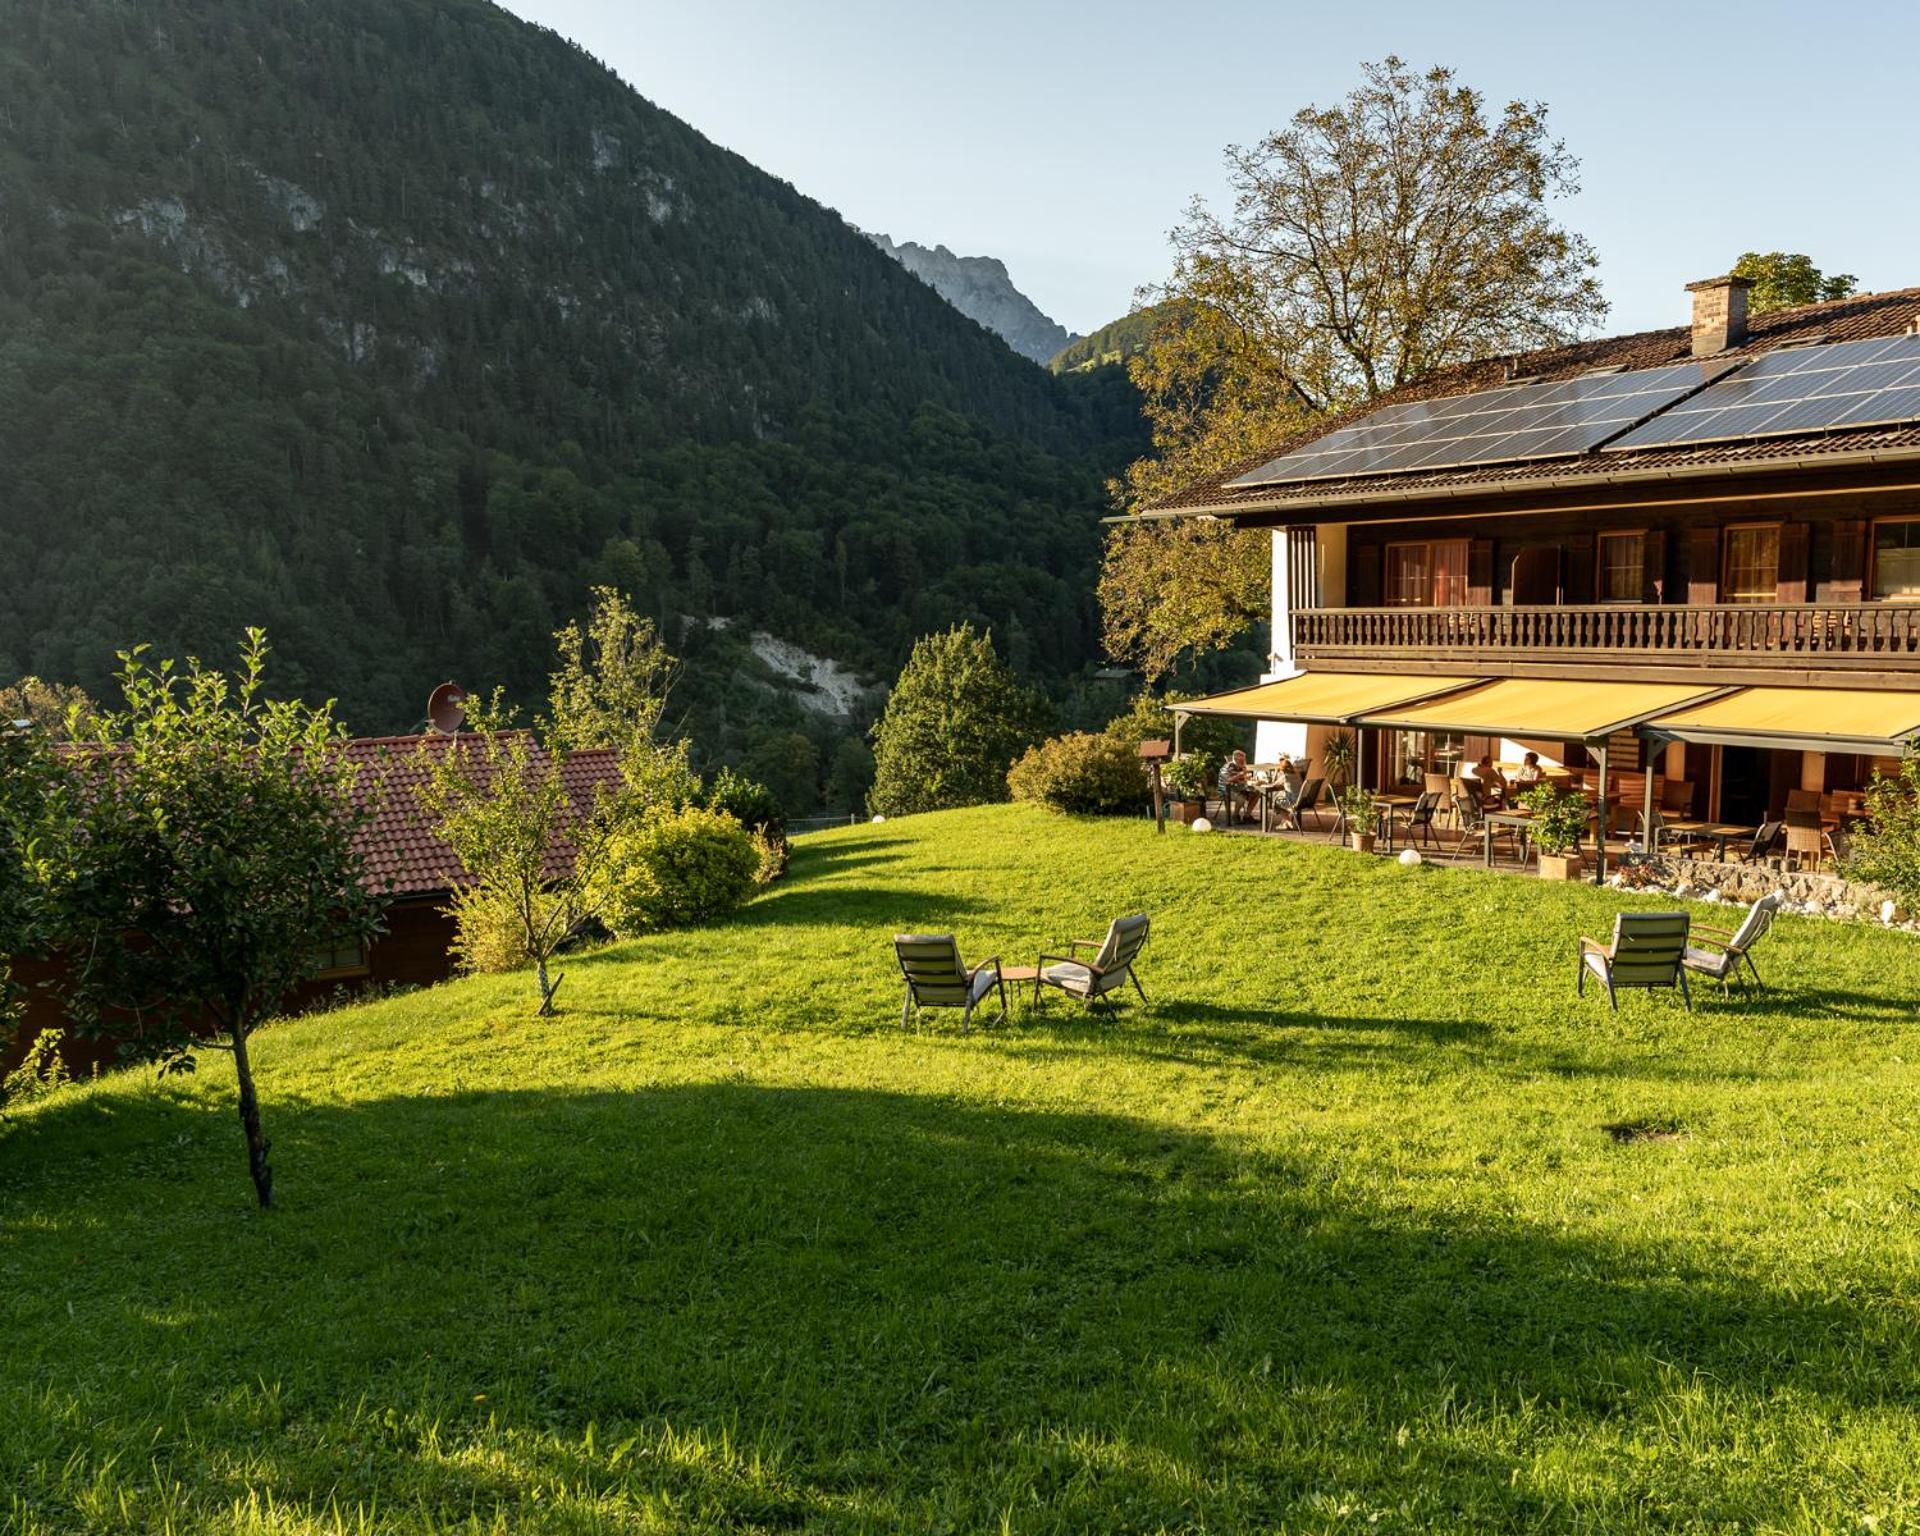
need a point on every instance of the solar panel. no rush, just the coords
(1800, 389)
(1523, 421)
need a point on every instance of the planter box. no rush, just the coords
(1559, 866)
(1184, 811)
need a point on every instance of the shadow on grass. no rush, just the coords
(884, 908)
(910, 1306)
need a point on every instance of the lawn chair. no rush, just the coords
(1722, 960)
(1646, 951)
(1418, 818)
(1110, 968)
(936, 977)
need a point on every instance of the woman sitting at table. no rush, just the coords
(1528, 774)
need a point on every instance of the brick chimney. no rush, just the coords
(1719, 313)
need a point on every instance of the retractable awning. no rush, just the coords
(1546, 709)
(1323, 698)
(1799, 719)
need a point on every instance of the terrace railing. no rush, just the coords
(1752, 637)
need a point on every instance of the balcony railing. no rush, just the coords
(1756, 637)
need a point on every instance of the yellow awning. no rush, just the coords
(1323, 698)
(1545, 708)
(1837, 719)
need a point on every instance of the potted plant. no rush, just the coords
(1336, 758)
(1559, 823)
(1362, 817)
(1187, 778)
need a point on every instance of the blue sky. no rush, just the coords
(1065, 137)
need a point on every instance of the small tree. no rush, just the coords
(31, 804)
(1887, 850)
(58, 710)
(499, 795)
(951, 728)
(209, 854)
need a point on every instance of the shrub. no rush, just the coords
(1190, 775)
(1081, 773)
(1559, 820)
(676, 867)
(490, 931)
(1887, 850)
(755, 807)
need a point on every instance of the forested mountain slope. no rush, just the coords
(394, 324)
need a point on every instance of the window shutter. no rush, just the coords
(1703, 566)
(1654, 555)
(1792, 583)
(1363, 575)
(1847, 578)
(1480, 574)
(1576, 574)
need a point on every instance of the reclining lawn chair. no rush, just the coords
(1721, 962)
(936, 977)
(1110, 969)
(1646, 951)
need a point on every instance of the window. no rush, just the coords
(1752, 570)
(1623, 566)
(333, 960)
(1896, 558)
(1427, 575)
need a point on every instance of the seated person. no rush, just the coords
(1487, 777)
(1529, 772)
(1292, 782)
(1236, 778)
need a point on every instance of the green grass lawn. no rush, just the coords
(1332, 1236)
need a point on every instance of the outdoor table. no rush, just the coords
(1723, 833)
(1492, 819)
(1389, 806)
(1016, 976)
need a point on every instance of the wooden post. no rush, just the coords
(1646, 813)
(1153, 753)
(1600, 824)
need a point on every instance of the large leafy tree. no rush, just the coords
(209, 854)
(1405, 229)
(1786, 279)
(952, 726)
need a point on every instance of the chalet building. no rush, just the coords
(406, 864)
(1690, 558)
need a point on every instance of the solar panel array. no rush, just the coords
(1524, 421)
(1801, 389)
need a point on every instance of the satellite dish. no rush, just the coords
(446, 708)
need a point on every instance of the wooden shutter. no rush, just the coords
(1363, 577)
(1303, 568)
(1480, 574)
(1703, 566)
(1791, 585)
(1653, 554)
(1576, 575)
(1847, 569)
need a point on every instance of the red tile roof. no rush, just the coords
(1861, 318)
(402, 853)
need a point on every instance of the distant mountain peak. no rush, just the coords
(982, 290)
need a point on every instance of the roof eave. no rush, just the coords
(1592, 480)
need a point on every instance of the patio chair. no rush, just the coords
(1646, 951)
(1676, 795)
(1418, 818)
(1656, 833)
(1110, 968)
(1760, 845)
(1804, 842)
(1721, 960)
(1311, 794)
(1470, 816)
(937, 977)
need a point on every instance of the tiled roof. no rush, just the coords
(403, 856)
(1856, 319)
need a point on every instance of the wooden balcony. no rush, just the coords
(1836, 644)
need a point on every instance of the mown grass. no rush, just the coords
(1339, 1234)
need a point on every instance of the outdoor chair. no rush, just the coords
(1646, 951)
(1722, 958)
(1655, 833)
(1804, 842)
(937, 977)
(1762, 844)
(1308, 804)
(1471, 817)
(1676, 795)
(1418, 818)
(1110, 969)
